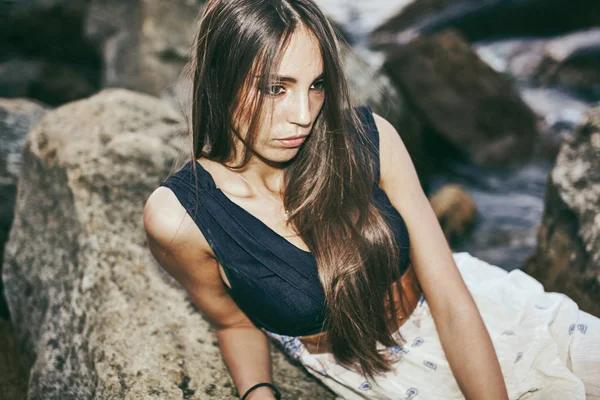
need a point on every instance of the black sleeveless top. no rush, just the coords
(273, 281)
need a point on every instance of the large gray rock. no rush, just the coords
(567, 259)
(464, 103)
(94, 315)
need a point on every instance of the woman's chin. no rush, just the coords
(280, 155)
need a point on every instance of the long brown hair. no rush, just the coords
(328, 185)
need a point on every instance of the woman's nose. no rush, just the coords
(300, 110)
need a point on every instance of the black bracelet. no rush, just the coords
(273, 387)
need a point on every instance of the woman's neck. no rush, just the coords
(262, 175)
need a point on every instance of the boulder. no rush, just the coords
(567, 258)
(93, 314)
(465, 105)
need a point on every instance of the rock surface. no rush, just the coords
(465, 103)
(567, 259)
(94, 315)
(17, 116)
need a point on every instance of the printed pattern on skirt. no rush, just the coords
(547, 347)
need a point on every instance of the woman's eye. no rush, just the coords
(274, 90)
(319, 85)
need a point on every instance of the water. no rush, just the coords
(510, 206)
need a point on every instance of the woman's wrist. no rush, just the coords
(261, 393)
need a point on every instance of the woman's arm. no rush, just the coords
(181, 249)
(462, 333)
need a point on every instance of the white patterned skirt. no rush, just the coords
(547, 348)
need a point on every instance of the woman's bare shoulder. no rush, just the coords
(169, 225)
(180, 248)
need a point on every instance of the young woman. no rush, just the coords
(292, 220)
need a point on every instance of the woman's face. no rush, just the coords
(293, 99)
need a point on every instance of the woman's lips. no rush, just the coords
(292, 142)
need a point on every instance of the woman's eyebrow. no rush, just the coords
(280, 78)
